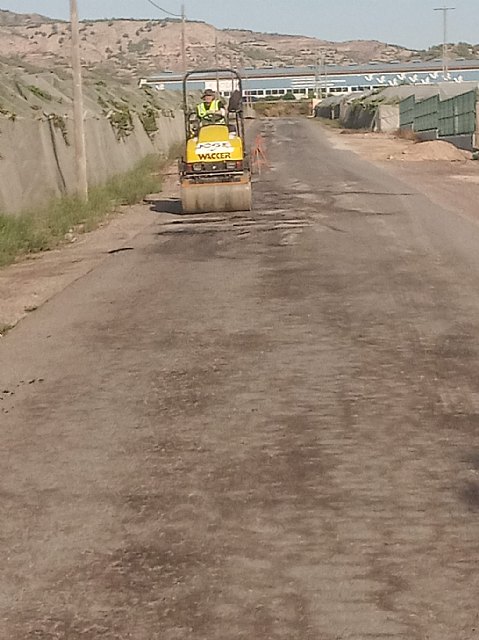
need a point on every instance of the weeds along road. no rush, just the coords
(253, 426)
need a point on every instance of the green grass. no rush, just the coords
(44, 229)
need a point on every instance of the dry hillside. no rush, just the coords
(9, 18)
(133, 46)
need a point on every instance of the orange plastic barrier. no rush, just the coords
(259, 158)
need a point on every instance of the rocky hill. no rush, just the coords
(9, 18)
(143, 46)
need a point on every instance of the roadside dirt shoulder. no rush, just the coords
(29, 283)
(451, 184)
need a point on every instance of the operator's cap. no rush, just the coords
(208, 92)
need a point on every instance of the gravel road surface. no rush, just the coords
(253, 427)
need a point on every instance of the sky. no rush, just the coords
(411, 23)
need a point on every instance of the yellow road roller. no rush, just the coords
(214, 170)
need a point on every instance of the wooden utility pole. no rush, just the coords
(232, 77)
(217, 65)
(183, 38)
(78, 117)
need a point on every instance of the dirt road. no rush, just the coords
(257, 426)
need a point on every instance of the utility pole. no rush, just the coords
(217, 65)
(232, 77)
(445, 63)
(78, 117)
(324, 89)
(183, 38)
(325, 77)
(320, 78)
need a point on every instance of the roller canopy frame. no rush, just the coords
(199, 72)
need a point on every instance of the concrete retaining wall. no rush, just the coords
(37, 163)
(427, 136)
(466, 142)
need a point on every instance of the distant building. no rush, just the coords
(330, 79)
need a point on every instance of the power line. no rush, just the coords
(183, 29)
(169, 13)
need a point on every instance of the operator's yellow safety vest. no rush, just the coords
(202, 111)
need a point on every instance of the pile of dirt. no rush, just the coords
(434, 150)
